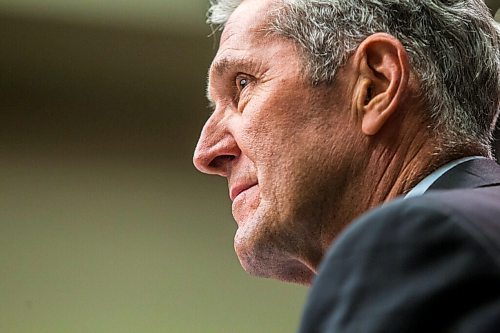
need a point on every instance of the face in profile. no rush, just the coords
(273, 136)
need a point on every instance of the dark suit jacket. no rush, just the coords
(424, 264)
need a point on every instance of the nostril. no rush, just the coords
(220, 161)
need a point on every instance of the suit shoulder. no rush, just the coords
(395, 266)
(470, 216)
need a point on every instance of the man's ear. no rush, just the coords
(383, 70)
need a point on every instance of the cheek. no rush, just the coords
(281, 133)
(270, 128)
(268, 144)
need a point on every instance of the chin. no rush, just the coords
(261, 257)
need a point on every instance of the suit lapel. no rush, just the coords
(475, 173)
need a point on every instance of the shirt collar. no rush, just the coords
(424, 185)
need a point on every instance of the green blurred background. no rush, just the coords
(105, 225)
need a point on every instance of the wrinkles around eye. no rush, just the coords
(242, 82)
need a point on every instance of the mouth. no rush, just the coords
(239, 189)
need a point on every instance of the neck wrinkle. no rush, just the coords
(408, 163)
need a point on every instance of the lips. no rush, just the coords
(238, 189)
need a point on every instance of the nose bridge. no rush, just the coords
(215, 143)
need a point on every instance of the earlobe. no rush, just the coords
(383, 76)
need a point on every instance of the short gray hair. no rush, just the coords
(453, 47)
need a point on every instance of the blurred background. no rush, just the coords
(105, 226)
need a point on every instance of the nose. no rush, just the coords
(216, 148)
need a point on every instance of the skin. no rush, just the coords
(302, 162)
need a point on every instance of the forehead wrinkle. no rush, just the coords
(226, 34)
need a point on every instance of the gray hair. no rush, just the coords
(453, 47)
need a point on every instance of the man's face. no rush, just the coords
(276, 140)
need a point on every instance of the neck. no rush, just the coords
(388, 171)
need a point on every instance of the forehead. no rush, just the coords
(250, 17)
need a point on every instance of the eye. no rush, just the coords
(242, 82)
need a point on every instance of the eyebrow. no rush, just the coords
(223, 65)
(211, 102)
